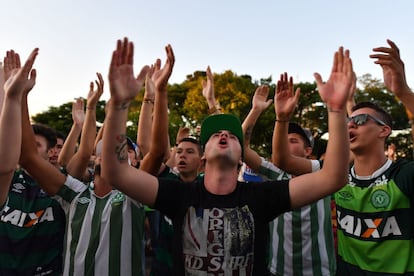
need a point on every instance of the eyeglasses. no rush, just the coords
(361, 119)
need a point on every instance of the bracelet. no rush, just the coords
(334, 110)
(90, 108)
(148, 100)
(121, 106)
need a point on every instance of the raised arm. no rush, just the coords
(69, 147)
(20, 81)
(124, 86)
(145, 116)
(78, 165)
(159, 147)
(308, 188)
(259, 104)
(49, 178)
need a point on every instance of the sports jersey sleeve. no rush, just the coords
(71, 188)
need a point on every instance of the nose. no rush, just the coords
(224, 133)
(351, 124)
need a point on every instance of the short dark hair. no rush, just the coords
(60, 135)
(195, 142)
(47, 132)
(382, 114)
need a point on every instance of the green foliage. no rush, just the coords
(60, 118)
(187, 107)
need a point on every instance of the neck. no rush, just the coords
(188, 177)
(365, 165)
(219, 180)
(101, 189)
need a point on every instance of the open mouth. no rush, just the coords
(181, 163)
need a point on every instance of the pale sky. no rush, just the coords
(258, 38)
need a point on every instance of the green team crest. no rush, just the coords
(380, 199)
(118, 198)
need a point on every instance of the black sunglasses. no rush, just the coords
(361, 119)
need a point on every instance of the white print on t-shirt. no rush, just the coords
(218, 241)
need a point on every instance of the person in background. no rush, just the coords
(301, 241)
(375, 209)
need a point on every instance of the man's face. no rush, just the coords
(55, 151)
(41, 144)
(187, 158)
(223, 145)
(297, 145)
(366, 136)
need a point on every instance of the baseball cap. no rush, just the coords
(304, 132)
(133, 146)
(215, 123)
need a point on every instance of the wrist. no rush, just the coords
(148, 101)
(282, 120)
(119, 105)
(215, 109)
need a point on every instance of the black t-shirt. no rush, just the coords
(221, 233)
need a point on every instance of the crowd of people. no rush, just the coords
(98, 203)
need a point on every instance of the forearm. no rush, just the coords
(69, 147)
(337, 152)
(79, 163)
(280, 144)
(159, 135)
(144, 124)
(251, 158)
(10, 135)
(407, 98)
(115, 169)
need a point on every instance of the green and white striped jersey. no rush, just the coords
(301, 241)
(104, 235)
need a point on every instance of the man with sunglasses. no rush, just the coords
(375, 211)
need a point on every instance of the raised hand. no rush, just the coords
(19, 79)
(260, 101)
(124, 86)
(208, 86)
(392, 68)
(95, 94)
(161, 76)
(336, 90)
(286, 98)
(78, 112)
(149, 94)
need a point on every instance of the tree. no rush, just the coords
(60, 118)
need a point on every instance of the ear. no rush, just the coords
(385, 132)
(308, 151)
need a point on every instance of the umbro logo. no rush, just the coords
(18, 188)
(83, 200)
